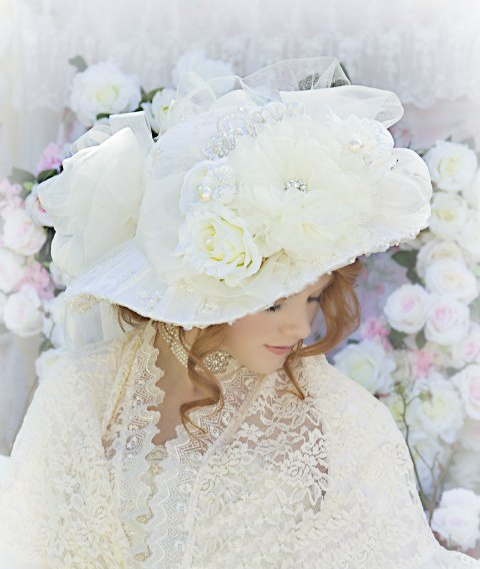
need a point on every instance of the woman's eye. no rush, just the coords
(315, 298)
(274, 308)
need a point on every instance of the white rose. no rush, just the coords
(368, 364)
(449, 215)
(157, 111)
(468, 383)
(12, 269)
(468, 349)
(217, 243)
(472, 192)
(407, 308)
(22, 313)
(437, 408)
(194, 70)
(35, 209)
(470, 435)
(464, 471)
(469, 236)
(457, 518)
(435, 250)
(21, 234)
(448, 320)
(451, 277)
(103, 89)
(452, 166)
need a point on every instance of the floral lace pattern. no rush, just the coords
(272, 481)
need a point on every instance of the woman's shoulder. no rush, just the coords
(341, 397)
(93, 369)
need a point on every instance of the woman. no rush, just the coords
(207, 435)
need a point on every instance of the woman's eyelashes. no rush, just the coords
(276, 307)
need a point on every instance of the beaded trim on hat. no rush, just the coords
(215, 362)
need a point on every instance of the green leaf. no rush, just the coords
(46, 175)
(407, 259)
(102, 116)
(413, 276)
(352, 341)
(79, 63)
(148, 97)
(420, 340)
(19, 176)
(396, 338)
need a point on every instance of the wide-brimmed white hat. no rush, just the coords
(246, 198)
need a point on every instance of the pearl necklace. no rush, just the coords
(215, 362)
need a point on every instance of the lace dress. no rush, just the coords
(270, 482)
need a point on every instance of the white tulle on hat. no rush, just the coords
(245, 199)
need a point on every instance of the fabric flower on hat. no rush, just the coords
(103, 89)
(217, 243)
(284, 177)
(158, 110)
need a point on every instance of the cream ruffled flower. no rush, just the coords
(449, 214)
(295, 192)
(158, 110)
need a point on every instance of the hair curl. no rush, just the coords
(341, 313)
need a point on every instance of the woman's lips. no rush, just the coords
(279, 350)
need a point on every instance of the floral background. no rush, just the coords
(418, 348)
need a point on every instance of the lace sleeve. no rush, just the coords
(56, 503)
(387, 480)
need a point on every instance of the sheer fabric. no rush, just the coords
(271, 481)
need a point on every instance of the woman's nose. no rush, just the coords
(298, 324)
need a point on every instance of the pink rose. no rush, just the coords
(38, 277)
(22, 313)
(51, 158)
(423, 363)
(21, 234)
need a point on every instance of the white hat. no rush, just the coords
(245, 199)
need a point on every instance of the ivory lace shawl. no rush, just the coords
(271, 482)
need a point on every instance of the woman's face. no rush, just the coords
(262, 341)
